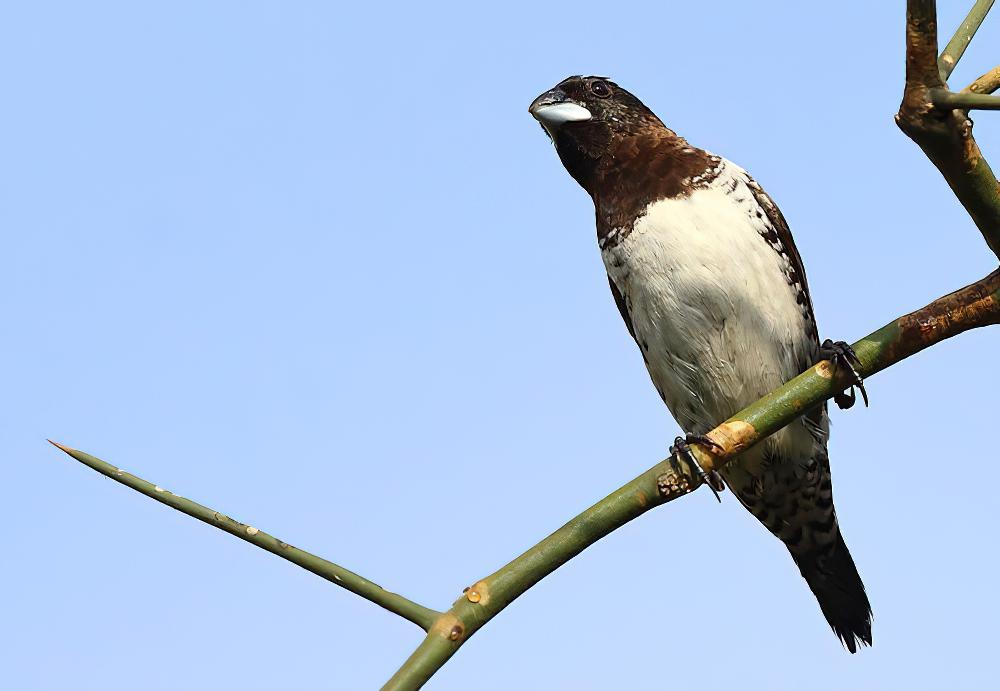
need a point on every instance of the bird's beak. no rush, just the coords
(554, 109)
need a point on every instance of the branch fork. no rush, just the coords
(937, 119)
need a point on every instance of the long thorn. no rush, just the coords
(338, 575)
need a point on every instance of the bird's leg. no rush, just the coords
(841, 354)
(715, 480)
(682, 447)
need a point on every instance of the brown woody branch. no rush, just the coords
(941, 131)
(986, 84)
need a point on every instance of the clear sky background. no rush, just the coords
(316, 267)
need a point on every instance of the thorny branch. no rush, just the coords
(973, 306)
(936, 119)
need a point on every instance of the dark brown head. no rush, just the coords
(588, 119)
(618, 150)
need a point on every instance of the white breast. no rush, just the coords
(709, 301)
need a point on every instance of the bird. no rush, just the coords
(707, 278)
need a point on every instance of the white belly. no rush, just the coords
(710, 303)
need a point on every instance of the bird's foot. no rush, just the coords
(682, 447)
(841, 354)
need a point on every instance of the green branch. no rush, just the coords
(963, 37)
(973, 306)
(397, 604)
(964, 100)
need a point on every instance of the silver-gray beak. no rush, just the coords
(554, 109)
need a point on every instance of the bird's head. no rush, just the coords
(587, 119)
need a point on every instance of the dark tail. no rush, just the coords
(834, 580)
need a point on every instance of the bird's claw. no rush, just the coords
(841, 354)
(682, 447)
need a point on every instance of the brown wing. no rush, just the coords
(627, 318)
(622, 308)
(779, 237)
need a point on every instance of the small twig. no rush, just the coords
(948, 100)
(986, 84)
(960, 41)
(397, 604)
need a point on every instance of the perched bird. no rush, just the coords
(706, 275)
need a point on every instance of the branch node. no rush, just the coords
(478, 593)
(447, 626)
(673, 484)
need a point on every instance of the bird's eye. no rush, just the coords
(600, 89)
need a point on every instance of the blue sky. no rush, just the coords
(317, 268)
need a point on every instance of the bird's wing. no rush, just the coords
(622, 308)
(779, 236)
